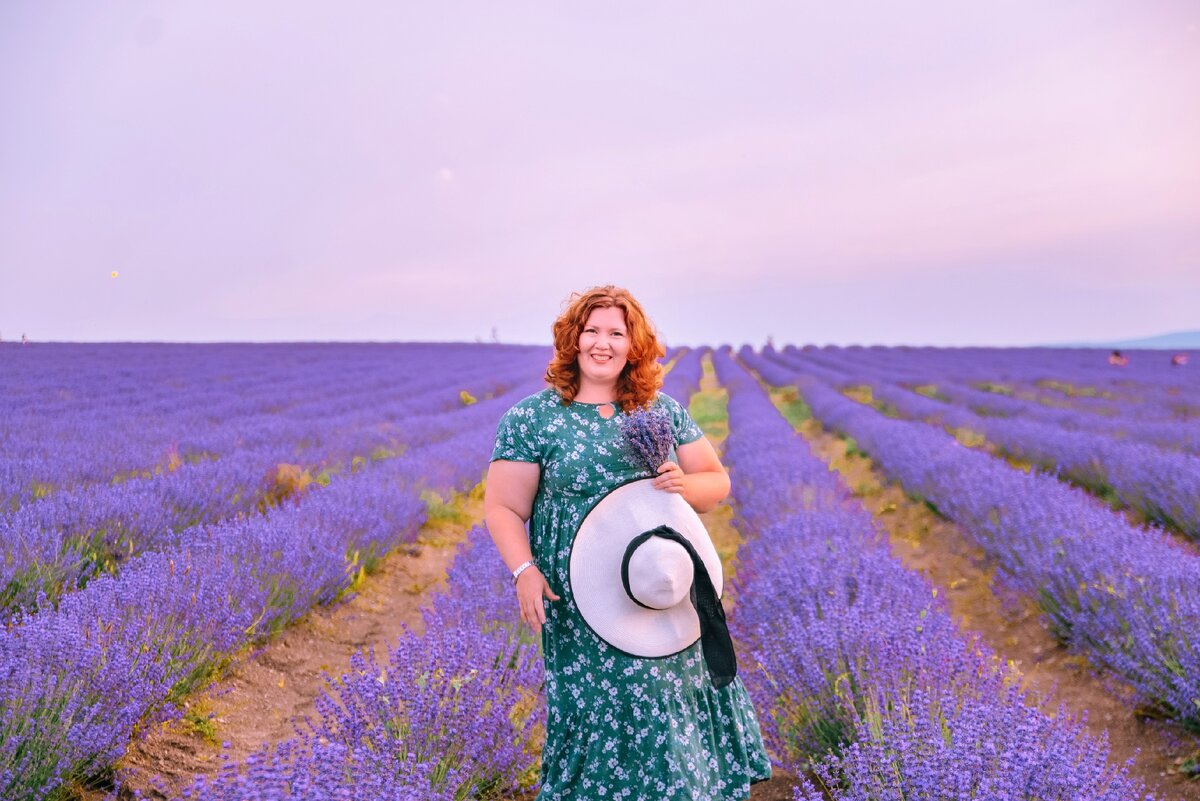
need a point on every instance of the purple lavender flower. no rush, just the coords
(683, 379)
(648, 437)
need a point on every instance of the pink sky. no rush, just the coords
(927, 173)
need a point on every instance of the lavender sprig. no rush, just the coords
(648, 437)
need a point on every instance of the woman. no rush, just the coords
(618, 726)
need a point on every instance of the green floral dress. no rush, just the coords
(619, 727)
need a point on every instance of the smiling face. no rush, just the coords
(603, 348)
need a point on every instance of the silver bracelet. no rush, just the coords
(521, 568)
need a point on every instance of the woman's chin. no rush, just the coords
(601, 373)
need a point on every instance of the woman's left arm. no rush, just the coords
(699, 477)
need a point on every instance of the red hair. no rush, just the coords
(642, 375)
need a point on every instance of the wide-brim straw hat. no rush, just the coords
(646, 578)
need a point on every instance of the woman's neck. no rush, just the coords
(596, 393)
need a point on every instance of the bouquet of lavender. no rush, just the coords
(648, 437)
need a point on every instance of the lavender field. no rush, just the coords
(167, 509)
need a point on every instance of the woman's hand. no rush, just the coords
(670, 478)
(699, 477)
(532, 587)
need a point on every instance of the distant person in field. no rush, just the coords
(1118, 359)
(1179, 360)
(619, 725)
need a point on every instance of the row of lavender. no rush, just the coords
(1127, 597)
(79, 678)
(1163, 485)
(1164, 418)
(57, 543)
(77, 414)
(683, 378)
(88, 413)
(453, 712)
(1083, 375)
(1119, 422)
(864, 679)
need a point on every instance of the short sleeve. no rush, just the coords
(682, 423)
(517, 437)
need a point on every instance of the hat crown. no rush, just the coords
(660, 573)
(598, 573)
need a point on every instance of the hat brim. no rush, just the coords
(595, 570)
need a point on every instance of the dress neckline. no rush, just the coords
(616, 409)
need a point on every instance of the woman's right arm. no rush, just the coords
(507, 504)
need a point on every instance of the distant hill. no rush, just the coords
(1178, 340)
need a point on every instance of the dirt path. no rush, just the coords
(937, 548)
(265, 694)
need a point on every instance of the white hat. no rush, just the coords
(647, 580)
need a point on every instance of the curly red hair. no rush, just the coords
(642, 376)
